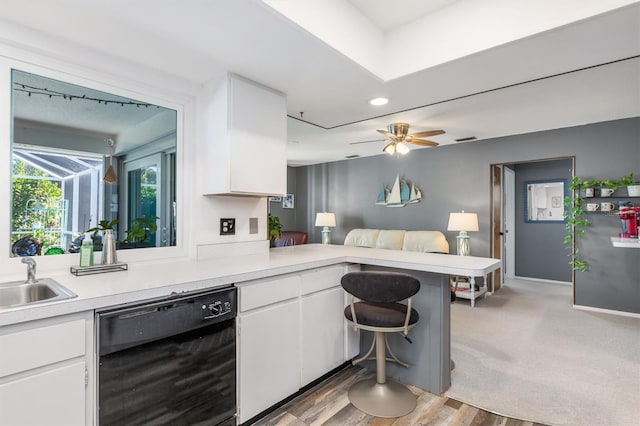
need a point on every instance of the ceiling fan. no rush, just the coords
(397, 134)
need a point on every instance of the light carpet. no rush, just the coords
(525, 352)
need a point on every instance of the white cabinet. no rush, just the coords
(268, 343)
(322, 322)
(291, 331)
(246, 139)
(44, 372)
(55, 396)
(322, 333)
(269, 357)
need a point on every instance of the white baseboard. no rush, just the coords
(607, 311)
(543, 281)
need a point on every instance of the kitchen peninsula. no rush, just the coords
(291, 273)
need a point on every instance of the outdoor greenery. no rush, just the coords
(576, 223)
(35, 205)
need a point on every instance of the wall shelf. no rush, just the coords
(625, 242)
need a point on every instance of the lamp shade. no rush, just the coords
(463, 222)
(325, 219)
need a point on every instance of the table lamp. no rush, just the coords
(326, 220)
(463, 222)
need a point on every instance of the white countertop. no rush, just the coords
(625, 242)
(151, 280)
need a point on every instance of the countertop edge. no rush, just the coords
(206, 275)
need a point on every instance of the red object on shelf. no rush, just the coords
(630, 217)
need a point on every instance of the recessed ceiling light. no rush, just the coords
(379, 101)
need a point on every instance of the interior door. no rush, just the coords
(496, 222)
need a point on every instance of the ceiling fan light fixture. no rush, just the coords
(379, 101)
(390, 148)
(402, 148)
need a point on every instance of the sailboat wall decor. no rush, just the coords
(402, 193)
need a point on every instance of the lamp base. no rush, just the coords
(326, 235)
(463, 244)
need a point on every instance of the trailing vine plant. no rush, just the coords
(576, 223)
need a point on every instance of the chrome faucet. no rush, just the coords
(31, 269)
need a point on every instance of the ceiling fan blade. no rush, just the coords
(422, 142)
(427, 133)
(375, 140)
(387, 134)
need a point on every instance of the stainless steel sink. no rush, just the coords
(19, 293)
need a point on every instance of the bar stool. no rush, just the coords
(379, 311)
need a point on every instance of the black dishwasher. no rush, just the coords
(169, 362)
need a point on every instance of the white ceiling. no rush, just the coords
(389, 16)
(525, 67)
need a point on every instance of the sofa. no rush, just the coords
(422, 241)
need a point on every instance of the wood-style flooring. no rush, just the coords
(327, 404)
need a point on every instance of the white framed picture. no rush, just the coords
(287, 201)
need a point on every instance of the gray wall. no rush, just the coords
(456, 177)
(540, 251)
(287, 216)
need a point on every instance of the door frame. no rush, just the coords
(496, 207)
(509, 215)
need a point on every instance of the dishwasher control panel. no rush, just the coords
(216, 309)
(218, 306)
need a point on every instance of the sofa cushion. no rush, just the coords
(390, 239)
(362, 237)
(425, 241)
(420, 241)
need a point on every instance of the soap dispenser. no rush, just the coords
(86, 251)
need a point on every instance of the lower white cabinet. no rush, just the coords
(322, 333)
(54, 396)
(269, 357)
(291, 331)
(46, 372)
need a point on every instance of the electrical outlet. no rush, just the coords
(228, 226)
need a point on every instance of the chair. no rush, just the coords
(379, 311)
(291, 238)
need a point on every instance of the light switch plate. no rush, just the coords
(228, 226)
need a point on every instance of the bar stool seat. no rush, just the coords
(379, 311)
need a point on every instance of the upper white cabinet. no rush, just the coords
(245, 145)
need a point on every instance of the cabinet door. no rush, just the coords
(51, 397)
(258, 138)
(269, 357)
(322, 333)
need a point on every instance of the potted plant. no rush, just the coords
(139, 232)
(588, 186)
(633, 188)
(275, 228)
(103, 225)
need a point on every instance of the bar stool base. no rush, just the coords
(387, 400)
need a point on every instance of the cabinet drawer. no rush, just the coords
(27, 349)
(321, 278)
(255, 294)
